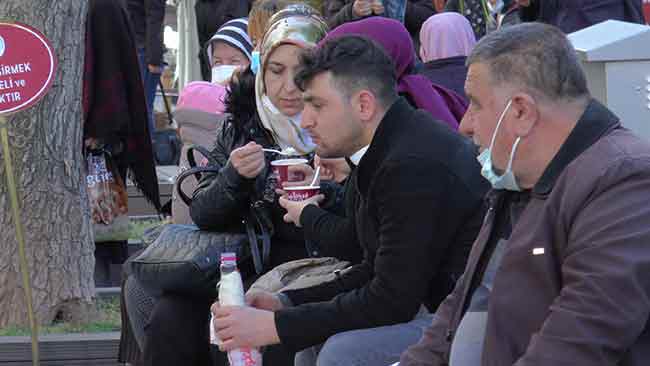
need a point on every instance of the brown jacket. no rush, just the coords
(584, 301)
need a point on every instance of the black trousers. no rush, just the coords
(178, 332)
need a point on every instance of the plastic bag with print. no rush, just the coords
(108, 198)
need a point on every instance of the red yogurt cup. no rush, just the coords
(281, 170)
(301, 193)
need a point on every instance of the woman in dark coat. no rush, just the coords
(445, 42)
(264, 113)
(115, 110)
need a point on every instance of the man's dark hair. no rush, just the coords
(535, 56)
(355, 63)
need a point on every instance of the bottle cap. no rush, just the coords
(230, 258)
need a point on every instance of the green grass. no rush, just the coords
(138, 227)
(108, 320)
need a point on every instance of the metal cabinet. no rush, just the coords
(616, 58)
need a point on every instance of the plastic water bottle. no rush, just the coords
(231, 293)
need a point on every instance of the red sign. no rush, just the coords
(646, 10)
(27, 66)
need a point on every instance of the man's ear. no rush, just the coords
(366, 105)
(526, 112)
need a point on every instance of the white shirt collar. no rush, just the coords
(356, 157)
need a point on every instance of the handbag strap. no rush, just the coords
(192, 171)
(190, 155)
(195, 170)
(253, 221)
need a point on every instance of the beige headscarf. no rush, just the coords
(301, 26)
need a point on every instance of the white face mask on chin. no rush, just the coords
(223, 73)
(507, 180)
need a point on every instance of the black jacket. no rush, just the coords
(571, 16)
(210, 16)
(147, 17)
(448, 72)
(338, 12)
(419, 210)
(332, 234)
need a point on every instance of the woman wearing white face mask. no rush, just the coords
(199, 114)
(229, 50)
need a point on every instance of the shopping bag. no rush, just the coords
(108, 198)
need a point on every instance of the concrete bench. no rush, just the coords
(88, 349)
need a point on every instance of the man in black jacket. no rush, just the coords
(418, 210)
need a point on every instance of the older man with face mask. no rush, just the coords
(559, 272)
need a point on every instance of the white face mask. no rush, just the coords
(507, 180)
(223, 73)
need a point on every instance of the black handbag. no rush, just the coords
(185, 259)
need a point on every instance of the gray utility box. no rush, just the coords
(616, 58)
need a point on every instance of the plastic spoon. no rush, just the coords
(316, 174)
(287, 152)
(275, 151)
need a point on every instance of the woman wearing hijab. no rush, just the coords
(443, 104)
(445, 42)
(264, 113)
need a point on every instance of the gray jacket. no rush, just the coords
(573, 287)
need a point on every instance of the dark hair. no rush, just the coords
(355, 63)
(536, 56)
(240, 101)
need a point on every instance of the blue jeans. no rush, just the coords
(150, 81)
(381, 346)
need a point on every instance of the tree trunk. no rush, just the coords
(46, 142)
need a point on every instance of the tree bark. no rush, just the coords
(46, 148)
